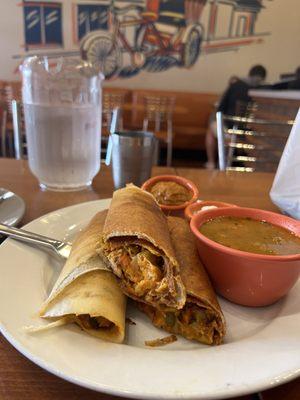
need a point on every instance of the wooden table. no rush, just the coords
(19, 377)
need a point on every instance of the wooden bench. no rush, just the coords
(190, 126)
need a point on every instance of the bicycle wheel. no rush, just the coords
(99, 49)
(191, 48)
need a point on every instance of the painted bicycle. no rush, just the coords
(152, 37)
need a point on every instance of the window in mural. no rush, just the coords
(91, 17)
(241, 29)
(43, 24)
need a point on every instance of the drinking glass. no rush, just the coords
(62, 109)
(132, 157)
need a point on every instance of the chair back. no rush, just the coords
(12, 91)
(158, 110)
(111, 101)
(250, 144)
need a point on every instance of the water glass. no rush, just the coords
(62, 109)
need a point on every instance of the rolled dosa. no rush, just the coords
(86, 291)
(201, 318)
(138, 245)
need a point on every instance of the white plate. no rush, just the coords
(12, 208)
(262, 346)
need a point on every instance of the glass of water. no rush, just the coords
(62, 109)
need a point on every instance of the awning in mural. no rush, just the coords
(254, 5)
(171, 12)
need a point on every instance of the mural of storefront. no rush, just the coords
(237, 27)
(125, 37)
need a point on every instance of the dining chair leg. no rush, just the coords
(169, 143)
(16, 113)
(157, 122)
(3, 133)
(221, 144)
(156, 152)
(145, 124)
(10, 142)
(121, 123)
(169, 154)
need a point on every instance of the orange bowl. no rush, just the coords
(247, 278)
(198, 206)
(178, 209)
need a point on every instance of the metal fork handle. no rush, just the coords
(29, 237)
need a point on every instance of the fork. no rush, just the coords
(62, 249)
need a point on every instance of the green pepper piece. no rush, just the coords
(170, 319)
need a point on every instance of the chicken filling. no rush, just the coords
(143, 272)
(192, 322)
(89, 322)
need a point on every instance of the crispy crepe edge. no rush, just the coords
(195, 279)
(85, 254)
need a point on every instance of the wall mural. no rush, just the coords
(125, 37)
(42, 24)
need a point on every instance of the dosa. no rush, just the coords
(201, 318)
(86, 291)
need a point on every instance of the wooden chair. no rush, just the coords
(250, 144)
(114, 123)
(190, 116)
(111, 101)
(158, 114)
(11, 90)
